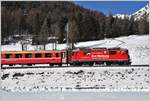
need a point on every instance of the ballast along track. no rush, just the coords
(25, 67)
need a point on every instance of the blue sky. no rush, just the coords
(115, 7)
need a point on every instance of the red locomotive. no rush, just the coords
(75, 57)
(100, 56)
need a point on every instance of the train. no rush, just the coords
(75, 57)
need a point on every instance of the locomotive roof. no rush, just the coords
(116, 48)
(112, 48)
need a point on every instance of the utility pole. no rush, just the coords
(67, 36)
(67, 39)
(67, 31)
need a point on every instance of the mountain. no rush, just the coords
(142, 12)
(122, 16)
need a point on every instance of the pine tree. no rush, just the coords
(143, 25)
(125, 28)
(73, 30)
(44, 32)
(116, 28)
(108, 26)
(61, 26)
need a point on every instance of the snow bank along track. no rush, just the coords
(25, 67)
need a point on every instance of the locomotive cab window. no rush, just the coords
(28, 55)
(8, 55)
(87, 53)
(48, 55)
(18, 55)
(38, 55)
(57, 54)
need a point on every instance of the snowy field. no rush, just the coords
(74, 96)
(137, 45)
(76, 79)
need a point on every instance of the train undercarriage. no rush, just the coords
(105, 63)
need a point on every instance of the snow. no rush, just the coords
(140, 13)
(122, 16)
(137, 45)
(74, 96)
(76, 79)
(137, 15)
(81, 83)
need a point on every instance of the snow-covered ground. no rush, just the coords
(137, 45)
(74, 96)
(76, 79)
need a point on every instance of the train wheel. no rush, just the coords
(91, 64)
(108, 63)
(60, 65)
(121, 63)
(29, 64)
(10, 64)
(80, 64)
(71, 64)
(51, 65)
(127, 63)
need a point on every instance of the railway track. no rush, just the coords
(25, 67)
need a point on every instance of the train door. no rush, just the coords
(64, 58)
(74, 55)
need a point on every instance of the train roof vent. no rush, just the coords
(116, 48)
(82, 48)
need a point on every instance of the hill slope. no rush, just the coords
(41, 20)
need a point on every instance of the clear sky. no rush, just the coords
(115, 7)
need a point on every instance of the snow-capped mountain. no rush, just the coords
(122, 16)
(142, 12)
(137, 15)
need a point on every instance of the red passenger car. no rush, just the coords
(33, 57)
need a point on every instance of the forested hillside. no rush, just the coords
(43, 20)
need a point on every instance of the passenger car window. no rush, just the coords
(28, 55)
(57, 54)
(8, 55)
(112, 52)
(77, 53)
(18, 55)
(47, 55)
(38, 55)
